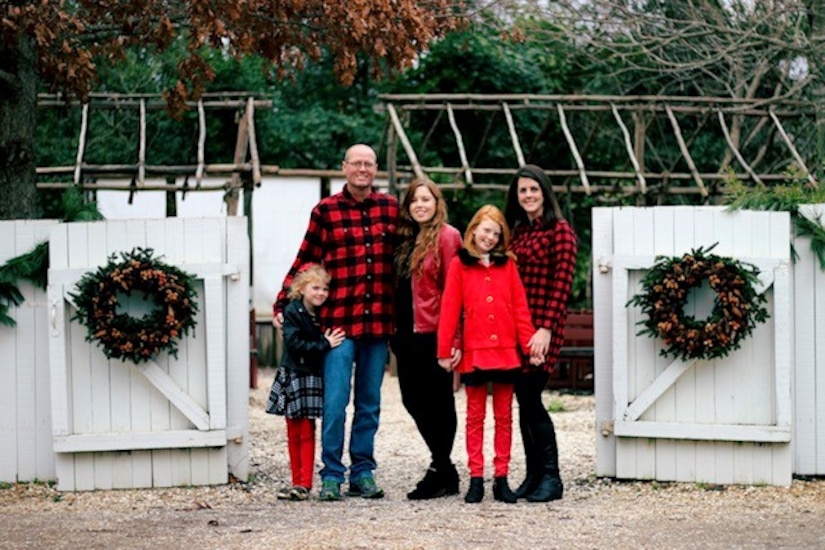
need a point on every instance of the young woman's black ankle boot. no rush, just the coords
(501, 490)
(449, 477)
(475, 493)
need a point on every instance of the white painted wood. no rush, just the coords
(170, 415)
(723, 420)
(809, 374)
(25, 415)
(656, 389)
(138, 441)
(237, 346)
(602, 254)
(176, 396)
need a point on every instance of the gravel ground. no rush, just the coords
(595, 513)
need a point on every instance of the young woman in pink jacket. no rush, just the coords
(484, 296)
(426, 246)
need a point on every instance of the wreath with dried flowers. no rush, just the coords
(737, 306)
(121, 335)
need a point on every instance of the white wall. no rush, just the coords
(280, 214)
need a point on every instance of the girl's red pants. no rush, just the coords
(300, 433)
(503, 417)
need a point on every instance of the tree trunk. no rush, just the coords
(18, 109)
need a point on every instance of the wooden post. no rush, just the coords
(241, 146)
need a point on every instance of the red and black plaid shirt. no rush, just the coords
(354, 241)
(546, 262)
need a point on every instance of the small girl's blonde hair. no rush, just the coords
(308, 273)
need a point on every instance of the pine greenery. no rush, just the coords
(785, 198)
(33, 266)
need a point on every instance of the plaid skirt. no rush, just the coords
(296, 395)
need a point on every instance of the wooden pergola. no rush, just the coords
(764, 142)
(739, 123)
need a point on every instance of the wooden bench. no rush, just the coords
(574, 369)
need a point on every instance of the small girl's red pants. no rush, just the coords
(300, 433)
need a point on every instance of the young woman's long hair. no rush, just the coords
(495, 215)
(412, 248)
(513, 211)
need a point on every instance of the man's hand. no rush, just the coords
(278, 321)
(335, 337)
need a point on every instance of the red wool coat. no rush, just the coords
(492, 301)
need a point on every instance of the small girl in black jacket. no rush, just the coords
(298, 391)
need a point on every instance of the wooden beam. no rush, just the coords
(513, 135)
(241, 148)
(253, 142)
(201, 144)
(790, 145)
(735, 151)
(392, 159)
(629, 148)
(573, 149)
(396, 122)
(142, 144)
(685, 152)
(81, 142)
(462, 154)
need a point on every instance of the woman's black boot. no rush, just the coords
(501, 490)
(475, 493)
(548, 488)
(528, 485)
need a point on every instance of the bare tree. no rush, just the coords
(744, 49)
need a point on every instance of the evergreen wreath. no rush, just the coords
(737, 307)
(125, 337)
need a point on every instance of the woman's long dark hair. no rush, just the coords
(513, 211)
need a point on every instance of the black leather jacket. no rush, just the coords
(304, 343)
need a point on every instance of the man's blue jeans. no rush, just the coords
(369, 357)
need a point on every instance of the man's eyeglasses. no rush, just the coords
(359, 164)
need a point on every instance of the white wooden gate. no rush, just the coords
(169, 422)
(722, 421)
(809, 354)
(25, 413)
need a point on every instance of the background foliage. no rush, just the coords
(511, 48)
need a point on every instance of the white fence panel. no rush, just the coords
(172, 421)
(809, 374)
(25, 415)
(722, 421)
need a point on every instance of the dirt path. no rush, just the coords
(595, 513)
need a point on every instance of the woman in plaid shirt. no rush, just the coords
(545, 246)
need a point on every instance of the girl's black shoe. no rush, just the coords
(502, 492)
(475, 493)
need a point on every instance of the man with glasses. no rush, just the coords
(351, 234)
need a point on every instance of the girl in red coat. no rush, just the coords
(483, 285)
